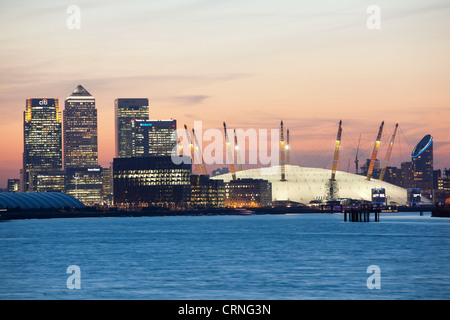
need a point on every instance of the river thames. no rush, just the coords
(277, 257)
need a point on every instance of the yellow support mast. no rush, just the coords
(374, 152)
(199, 154)
(229, 152)
(337, 148)
(388, 153)
(282, 153)
(191, 147)
(288, 148)
(238, 152)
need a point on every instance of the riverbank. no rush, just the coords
(157, 212)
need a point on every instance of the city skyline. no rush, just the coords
(306, 64)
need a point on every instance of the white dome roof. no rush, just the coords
(306, 184)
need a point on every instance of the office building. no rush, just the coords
(206, 192)
(154, 181)
(107, 189)
(441, 195)
(80, 130)
(49, 181)
(126, 111)
(248, 193)
(13, 185)
(154, 137)
(42, 139)
(85, 184)
(406, 175)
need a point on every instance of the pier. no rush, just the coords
(361, 214)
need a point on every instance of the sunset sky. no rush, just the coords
(250, 63)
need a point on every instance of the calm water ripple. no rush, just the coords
(226, 257)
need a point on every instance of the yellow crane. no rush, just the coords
(288, 148)
(388, 153)
(229, 152)
(191, 147)
(337, 148)
(238, 152)
(199, 153)
(374, 152)
(282, 153)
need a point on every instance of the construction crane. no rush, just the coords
(288, 148)
(282, 153)
(388, 153)
(337, 148)
(229, 152)
(238, 152)
(356, 157)
(199, 153)
(374, 152)
(180, 146)
(191, 147)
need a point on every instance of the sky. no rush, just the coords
(250, 63)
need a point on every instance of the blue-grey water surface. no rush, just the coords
(304, 256)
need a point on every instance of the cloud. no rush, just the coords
(190, 99)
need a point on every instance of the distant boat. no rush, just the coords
(244, 212)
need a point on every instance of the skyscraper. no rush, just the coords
(127, 110)
(154, 137)
(422, 159)
(80, 130)
(83, 175)
(42, 140)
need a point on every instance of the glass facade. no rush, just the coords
(80, 130)
(154, 137)
(206, 193)
(49, 181)
(13, 185)
(248, 193)
(126, 111)
(151, 182)
(42, 139)
(85, 184)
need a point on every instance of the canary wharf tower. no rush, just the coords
(127, 111)
(42, 135)
(80, 130)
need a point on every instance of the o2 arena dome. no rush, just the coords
(306, 184)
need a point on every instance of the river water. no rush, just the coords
(281, 257)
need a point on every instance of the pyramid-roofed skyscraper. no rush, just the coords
(80, 130)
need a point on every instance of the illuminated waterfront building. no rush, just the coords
(49, 181)
(304, 185)
(206, 192)
(151, 182)
(107, 191)
(248, 193)
(13, 185)
(42, 139)
(85, 184)
(154, 137)
(126, 111)
(80, 130)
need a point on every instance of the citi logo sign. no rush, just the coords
(43, 102)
